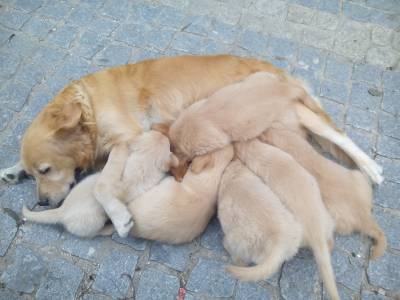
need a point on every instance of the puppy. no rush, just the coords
(81, 213)
(244, 110)
(299, 192)
(170, 212)
(346, 193)
(257, 227)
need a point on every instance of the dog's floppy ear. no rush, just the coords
(64, 117)
(161, 127)
(202, 162)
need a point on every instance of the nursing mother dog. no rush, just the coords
(101, 111)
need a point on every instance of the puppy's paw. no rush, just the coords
(123, 223)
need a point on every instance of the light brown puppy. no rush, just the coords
(139, 168)
(101, 110)
(257, 227)
(299, 192)
(346, 193)
(244, 110)
(173, 212)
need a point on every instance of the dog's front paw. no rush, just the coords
(12, 175)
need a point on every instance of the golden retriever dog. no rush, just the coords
(299, 192)
(142, 166)
(257, 227)
(244, 110)
(103, 110)
(173, 212)
(346, 193)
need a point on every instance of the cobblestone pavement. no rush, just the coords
(348, 51)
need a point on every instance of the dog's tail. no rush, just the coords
(317, 122)
(51, 216)
(261, 271)
(374, 231)
(323, 258)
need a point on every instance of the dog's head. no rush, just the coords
(56, 145)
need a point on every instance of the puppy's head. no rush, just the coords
(56, 145)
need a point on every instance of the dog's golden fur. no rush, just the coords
(346, 193)
(107, 108)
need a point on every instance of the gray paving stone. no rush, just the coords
(224, 32)
(332, 6)
(55, 10)
(338, 69)
(39, 234)
(38, 27)
(385, 271)
(334, 91)
(362, 119)
(89, 249)
(308, 3)
(5, 117)
(8, 229)
(21, 46)
(381, 55)
(365, 96)
(247, 290)
(25, 271)
(30, 74)
(344, 293)
(213, 236)
(391, 102)
(81, 15)
(209, 278)
(381, 35)
(156, 285)
(367, 73)
(8, 64)
(318, 38)
(90, 43)
(254, 42)
(390, 224)
(61, 282)
(352, 244)
(198, 24)
(135, 243)
(142, 54)
(14, 95)
(16, 195)
(117, 12)
(13, 18)
(367, 295)
(115, 274)
(10, 295)
(390, 168)
(40, 96)
(300, 278)
(388, 147)
(387, 195)
(389, 125)
(159, 38)
(95, 296)
(48, 58)
(171, 17)
(188, 42)
(334, 109)
(103, 26)
(348, 270)
(63, 36)
(282, 48)
(391, 80)
(310, 78)
(174, 256)
(311, 59)
(356, 12)
(145, 13)
(132, 34)
(29, 5)
(300, 14)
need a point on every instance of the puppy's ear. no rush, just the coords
(64, 117)
(202, 162)
(161, 127)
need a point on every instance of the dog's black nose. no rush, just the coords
(44, 202)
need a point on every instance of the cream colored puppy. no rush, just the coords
(244, 110)
(82, 214)
(257, 227)
(346, 193)
(299, 192)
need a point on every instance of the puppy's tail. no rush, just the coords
(374, 231)
(323, 258)
(269, 266)
(51, 216)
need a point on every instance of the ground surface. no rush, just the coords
(348, 51)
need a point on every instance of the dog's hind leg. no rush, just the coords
(107, 230)
(317, 126)
(105, 190)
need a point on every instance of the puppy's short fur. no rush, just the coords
(346, 193)
(128, 178)
(299, 192)
(257, 227)
(223, 118)
(170, 212)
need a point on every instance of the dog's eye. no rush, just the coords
(45, 170)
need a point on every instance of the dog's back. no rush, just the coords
(257, 227)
